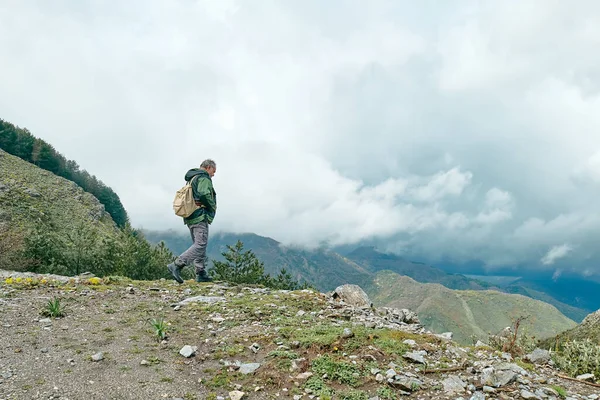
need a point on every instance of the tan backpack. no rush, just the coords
(184, 204)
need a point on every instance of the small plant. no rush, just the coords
(562, 392)
(353, 395)
(386, 393)
(53, 309)
(160, 328)
(318, 387)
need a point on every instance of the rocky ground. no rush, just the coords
(122, 339)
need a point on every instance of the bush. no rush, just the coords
(579, 357)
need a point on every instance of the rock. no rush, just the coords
(478, 396)
(445, 335)
(129, 290)
(44, 350)
(352, 295)
(188, 351)
(200, 299)
(144, 362)
(32, 192)
(453, 384)
(497, 378)
(236, 395)
(249, 368)
(255, 347)
(586, 377)
(415, 356)
(45, 321)
(347, 333)
(304, 376)
(410, 342)
(526, 394)
(538, 356)
(480, 344)
(405, 383)
(98, 356)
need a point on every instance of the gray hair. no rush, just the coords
(208, 163)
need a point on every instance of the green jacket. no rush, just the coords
(204, 193)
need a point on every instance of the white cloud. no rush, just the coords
(555, 253)
(465, 132)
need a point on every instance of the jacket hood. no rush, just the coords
(195, 171)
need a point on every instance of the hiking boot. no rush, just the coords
(202, 277)
(174, 269)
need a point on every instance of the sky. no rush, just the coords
(461, 131)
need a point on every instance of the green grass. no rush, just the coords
(338, 371)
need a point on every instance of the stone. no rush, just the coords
(188, 351)
(98, 356)
(410, 342)
(526, 394)
(453, 384)
(352, 295)
(538, 356)
(478, 396)
(200, 299)
(404, 383)
(236, 395)
(255, 347)
(586, 377)
(304, 376)
(445, 335)
(347, 333)
(415, 356)
(497, 379)
(249, 368)
(32, 192)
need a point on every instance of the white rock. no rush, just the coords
(188, 351)
(236, 395)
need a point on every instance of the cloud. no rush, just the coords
(467, 132)
(556, 253)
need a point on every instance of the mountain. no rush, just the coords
(376, 261)
(466, 313)
(323, 268)
(589, 329)
(35, 200)
(21, 143)
(50, 224)
(574, 313)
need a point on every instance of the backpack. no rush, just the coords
(183, 203)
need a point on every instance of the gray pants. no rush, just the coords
(196, 254)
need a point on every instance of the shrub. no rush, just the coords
(579, 357)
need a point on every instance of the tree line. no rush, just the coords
(21, 143)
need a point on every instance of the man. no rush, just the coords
(198, 222)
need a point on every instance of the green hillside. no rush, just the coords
(589, 329)
(466, 313)
(35, 200)
(21, 143)
(50, 224)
